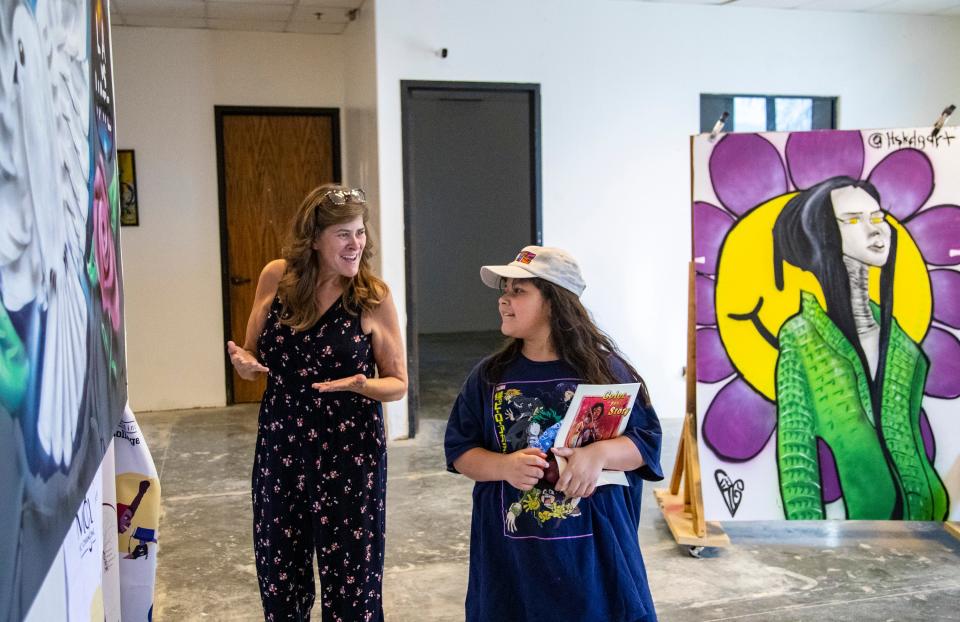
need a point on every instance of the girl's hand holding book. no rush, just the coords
(579, 476)
(523, 469)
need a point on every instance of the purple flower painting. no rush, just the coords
(761, 288)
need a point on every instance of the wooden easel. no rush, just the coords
(682, 503)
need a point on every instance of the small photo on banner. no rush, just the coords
(827, 300)
(138, 519)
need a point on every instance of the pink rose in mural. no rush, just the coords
(105, 250)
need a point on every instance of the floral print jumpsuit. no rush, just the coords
(319, 474)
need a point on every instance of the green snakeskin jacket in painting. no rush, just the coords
(823, 391)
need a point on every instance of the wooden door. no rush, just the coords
(269, 161)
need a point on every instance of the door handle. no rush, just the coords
(239, 280)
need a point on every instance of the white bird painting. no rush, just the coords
(44, 205)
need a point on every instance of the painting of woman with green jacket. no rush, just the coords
(849, 381)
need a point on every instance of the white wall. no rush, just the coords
(361, 165)
(167, 83)
(359, 114)
(620, 85)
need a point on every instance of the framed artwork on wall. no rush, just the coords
(129, 205)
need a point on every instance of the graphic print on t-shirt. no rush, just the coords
(528, 414)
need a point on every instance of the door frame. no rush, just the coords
(407, 89)
(219, 113)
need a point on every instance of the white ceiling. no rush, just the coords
(327, 17)
(913, 7)
(302, 15)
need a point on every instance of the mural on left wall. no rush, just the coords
(62, 361)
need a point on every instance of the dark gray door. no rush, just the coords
(471, 184)
(470, 200)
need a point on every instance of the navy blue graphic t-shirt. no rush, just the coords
(536, 554)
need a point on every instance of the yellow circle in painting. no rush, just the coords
(745, 277)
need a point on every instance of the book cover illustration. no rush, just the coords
(597, 412)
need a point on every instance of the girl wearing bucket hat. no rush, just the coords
(534, 533)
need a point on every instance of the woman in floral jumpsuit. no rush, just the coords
(321, 326)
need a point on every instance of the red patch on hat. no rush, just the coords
(525, 257)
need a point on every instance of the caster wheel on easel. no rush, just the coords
(695, 551)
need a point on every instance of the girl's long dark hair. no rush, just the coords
(807, 235)
(575, 337)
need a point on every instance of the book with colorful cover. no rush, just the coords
(597, 412)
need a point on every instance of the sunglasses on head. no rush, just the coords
(342, 197)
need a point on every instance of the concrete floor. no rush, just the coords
(445, 361)
(773, 571)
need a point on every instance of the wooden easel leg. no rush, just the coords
(693, 480)
(953, 528)
(678, 463)
(685, 441)
(683, 510)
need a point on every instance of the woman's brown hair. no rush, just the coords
(575, 337)
(298, 286)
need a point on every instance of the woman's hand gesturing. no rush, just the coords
(350, 383)
(246, 364)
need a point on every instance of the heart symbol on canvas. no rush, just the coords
(732, 491)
